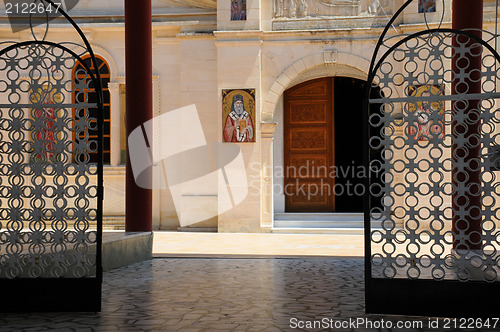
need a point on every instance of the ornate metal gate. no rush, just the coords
(50, 191)
(432, 245)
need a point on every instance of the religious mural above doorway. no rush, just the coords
(238, 10)
(238, 115)
(426, 6)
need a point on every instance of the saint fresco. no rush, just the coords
(238, 10)
(43, 119)
(429, 114)
(238, 115)
(426, 6)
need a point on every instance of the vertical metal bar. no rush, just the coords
(467, 15)
(100, 175)
(139, 103)
(367, 197)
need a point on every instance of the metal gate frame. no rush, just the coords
(60, 293)
(407, 296)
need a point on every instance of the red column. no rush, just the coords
(139, 72)
(467, 14)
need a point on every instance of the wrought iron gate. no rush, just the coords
(50, 191)
(432, 214)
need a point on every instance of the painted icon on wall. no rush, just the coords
(426, 6)
(44, 119)
(429, 114)
(238, 115)
(238, 10)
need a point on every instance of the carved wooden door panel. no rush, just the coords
(309, 147)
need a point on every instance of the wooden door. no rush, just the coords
(309, 147)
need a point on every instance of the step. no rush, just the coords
(111, 223)
(119, 249)
(318, 224)
(197, 229)
(319, 220)
(320, 216)
(334, 231)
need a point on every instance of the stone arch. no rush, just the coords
(113, 68)
(305, 69)
(311, 67)
(115, 106)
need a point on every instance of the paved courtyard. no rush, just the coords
(199, 294)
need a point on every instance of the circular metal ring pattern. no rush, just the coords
(48, 181)
(436, 202)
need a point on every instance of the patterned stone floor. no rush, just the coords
(221, 295)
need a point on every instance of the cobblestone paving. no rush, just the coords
(218, 295)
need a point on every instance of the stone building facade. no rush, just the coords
(199, 52)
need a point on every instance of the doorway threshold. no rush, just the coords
(319, 223)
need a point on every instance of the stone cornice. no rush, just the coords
(238, 34)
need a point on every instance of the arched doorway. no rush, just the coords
(323, 146)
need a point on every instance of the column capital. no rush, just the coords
(267, 129)
(113, 86)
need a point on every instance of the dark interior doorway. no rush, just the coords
(330, 111)
(349, 144)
